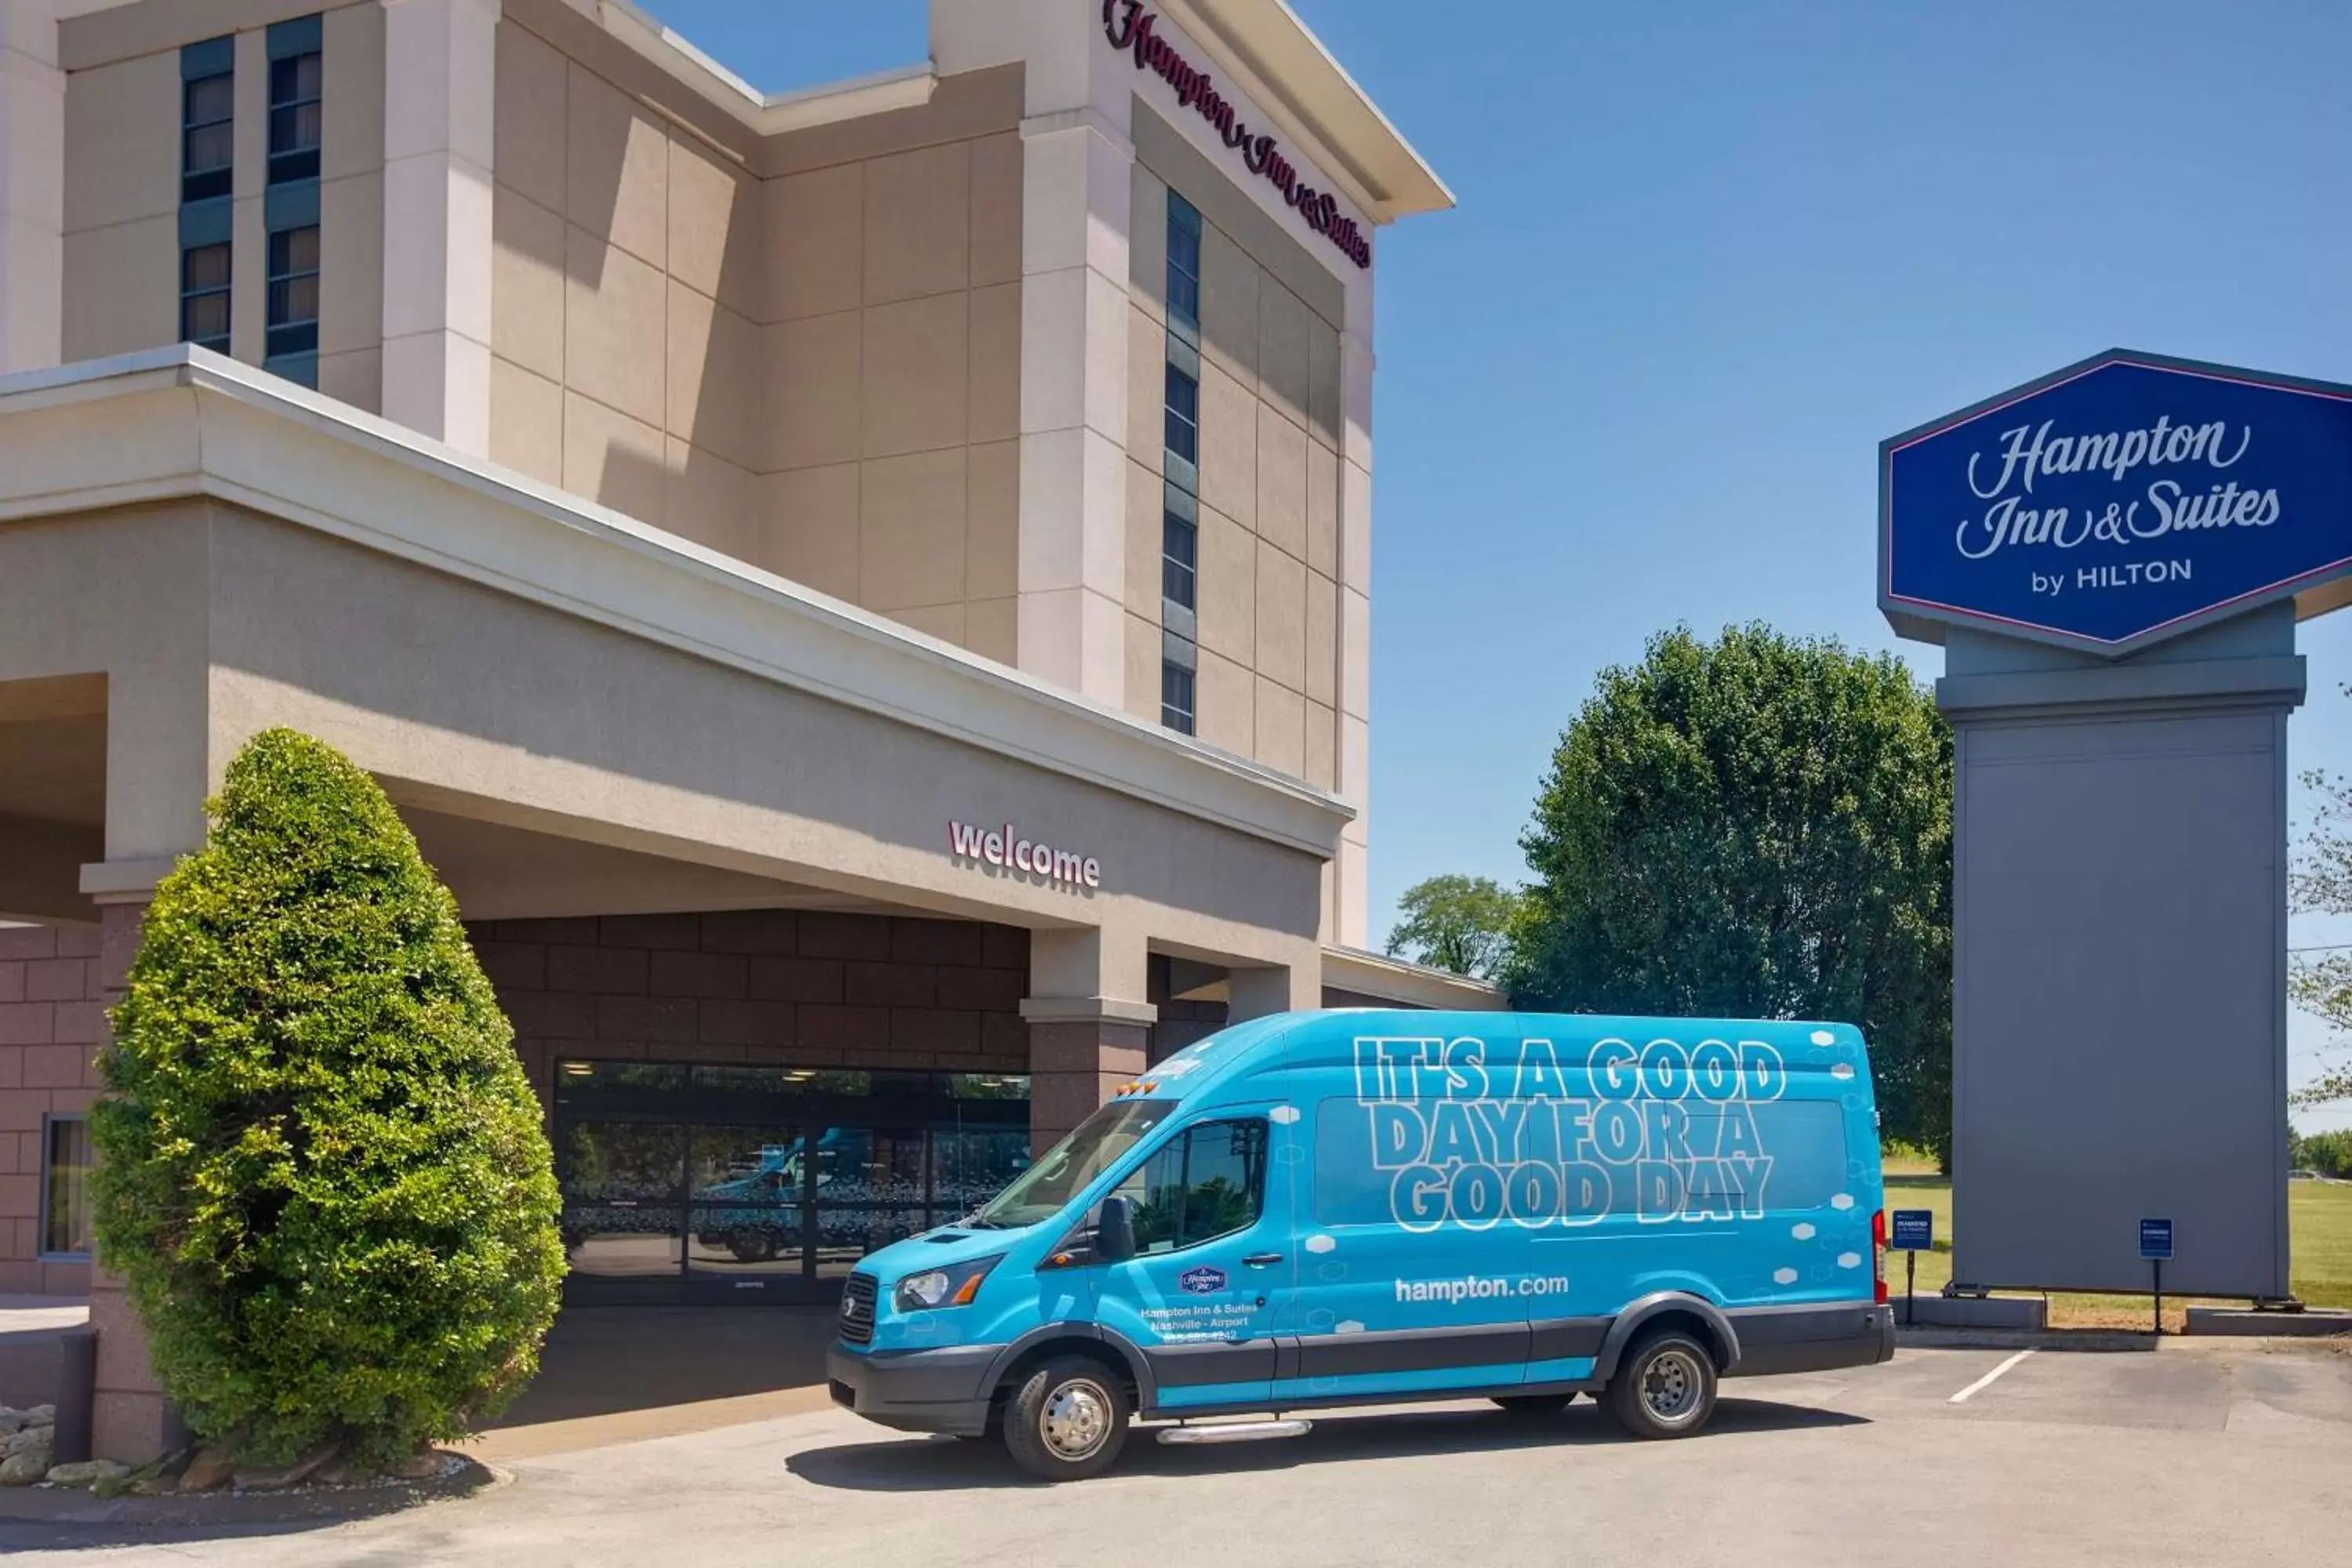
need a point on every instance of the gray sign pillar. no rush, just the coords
(2119, 984)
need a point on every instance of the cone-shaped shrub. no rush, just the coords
(322, 1168)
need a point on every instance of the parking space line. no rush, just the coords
(1962, 1397)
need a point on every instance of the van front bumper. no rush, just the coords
(942, 1390)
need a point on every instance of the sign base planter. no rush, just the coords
(2029, 1313)
(2238, 1321)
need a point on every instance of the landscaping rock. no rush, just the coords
(11, 1420)
(421, 1467)
(41, 1415)
(285, 1476)
(24, 1469)
(86, 1472)
(209, 1471)
(32, 1437)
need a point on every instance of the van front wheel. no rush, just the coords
(1664, 1387)
(1066, 1420)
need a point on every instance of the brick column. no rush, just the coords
(1075, 1063)
(52, 1020)
(130, 1421)
(1089, 1025)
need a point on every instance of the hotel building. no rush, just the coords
(864, 594)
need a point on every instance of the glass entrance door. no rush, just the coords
(747, 1234)
(748, 1184)
(622, 1182)
(873, 1187)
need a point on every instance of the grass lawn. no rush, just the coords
(2319, 1233)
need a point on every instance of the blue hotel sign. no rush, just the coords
(2116, 502)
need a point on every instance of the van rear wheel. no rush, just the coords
(1664, 1387)
(1066, 1420)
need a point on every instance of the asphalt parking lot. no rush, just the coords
(2224, 1452)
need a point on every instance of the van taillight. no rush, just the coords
(1878, 1256)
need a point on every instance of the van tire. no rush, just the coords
(1067, 1419)
(1664, 1386)
(1534, 1404)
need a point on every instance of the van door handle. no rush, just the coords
(1260, 1259)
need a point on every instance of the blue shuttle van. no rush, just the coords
(1321, 1209)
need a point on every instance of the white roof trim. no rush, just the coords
(537, 542)
(1396, 980)
(909, 86)
(1304, 86)
(767, 113)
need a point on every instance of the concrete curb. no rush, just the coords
(230, 1510)
(2312, 1322)
(2108, 1340)
(1933, 1338)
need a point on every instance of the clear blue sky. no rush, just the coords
(1707, 256)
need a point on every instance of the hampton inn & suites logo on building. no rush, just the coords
(1134, 30)
(1001, 846)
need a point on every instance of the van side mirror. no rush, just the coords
(1115, 1231)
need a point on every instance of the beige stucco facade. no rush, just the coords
(708, 503)
(899, 341)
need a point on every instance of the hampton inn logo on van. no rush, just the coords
(1000, 847)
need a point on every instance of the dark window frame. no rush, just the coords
(291, 158)
(289, 335)
(1179, 698)
(210, 180)
(1185, 421)
(1184, 263)
(1180, 569)
(50, 1121)
(224, 291)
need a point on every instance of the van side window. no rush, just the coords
(1209, 1182)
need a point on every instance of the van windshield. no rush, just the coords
(1096, 1145)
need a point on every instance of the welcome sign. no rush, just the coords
(2118, 502)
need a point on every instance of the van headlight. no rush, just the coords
(953, 1286)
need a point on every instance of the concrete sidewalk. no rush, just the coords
(623, 1374)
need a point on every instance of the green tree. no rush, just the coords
(2329, 1153)
(321, 1167)
(2321, 884)
(1759, 827)
(1457, 923)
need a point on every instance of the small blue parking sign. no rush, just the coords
(2155, 1240)
(1915, 1230)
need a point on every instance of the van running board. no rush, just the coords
(1236, 1432)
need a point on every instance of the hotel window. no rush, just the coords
(296, 75)
(1179, 520)
(1179, 532)
(64, 1187)
(204, 296)
(293, 346)
(1183, 409)
(1183, 267)
(1177, 677)
(207, 115)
